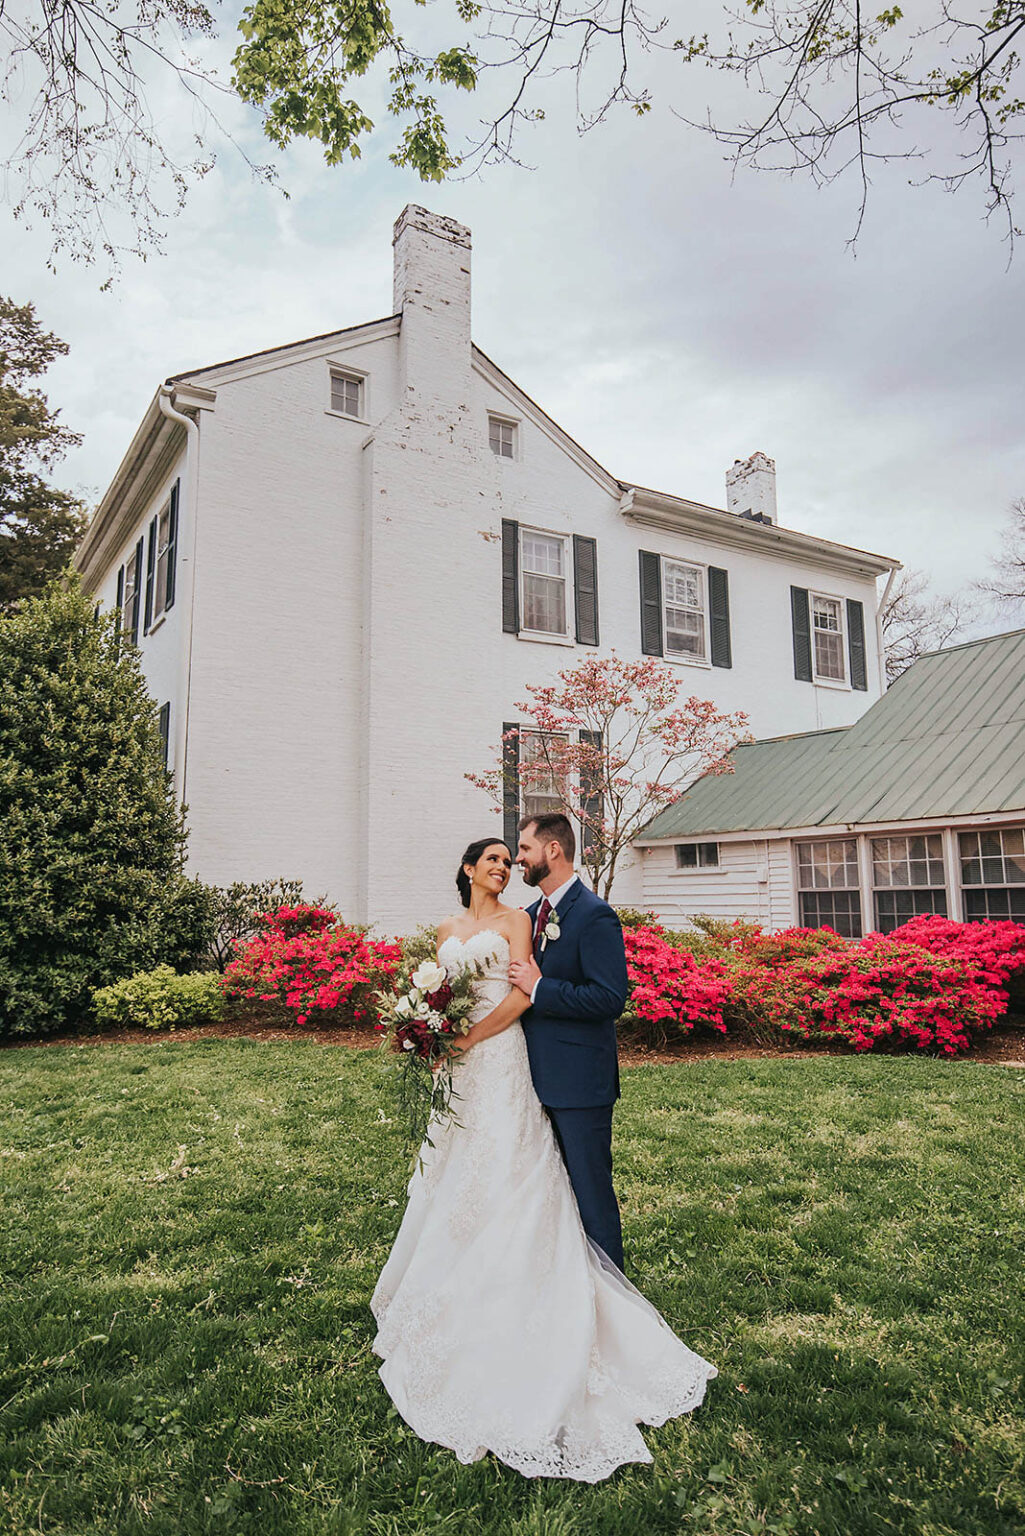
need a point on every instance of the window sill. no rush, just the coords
(689, 874)
(688, 661)
(834, 683)
(359, 421)
(156, 624)
(543, 639)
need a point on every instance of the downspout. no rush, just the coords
(880, 649)
(187, 566)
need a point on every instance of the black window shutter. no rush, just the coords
(651, 604)
(165, 728)
(151, 568)
(856, 644)
(136, 600)
(511, 786)
(510, 577)
(801, 617)
(120, 595)
(172, 547)
(585, 589)
(590, 791)
(719, 616)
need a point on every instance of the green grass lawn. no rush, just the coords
(191, 1230)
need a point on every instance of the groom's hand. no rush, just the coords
(525, 974)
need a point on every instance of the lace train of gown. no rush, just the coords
(502, 1327)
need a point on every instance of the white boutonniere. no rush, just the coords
(551, 933)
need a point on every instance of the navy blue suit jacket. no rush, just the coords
(571, 1026)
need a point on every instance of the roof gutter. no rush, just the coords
(187, 569)
(880, 610)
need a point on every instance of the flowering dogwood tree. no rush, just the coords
(612, 743)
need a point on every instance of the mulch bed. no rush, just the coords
(1003, 1046)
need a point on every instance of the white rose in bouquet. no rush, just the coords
(429, 976)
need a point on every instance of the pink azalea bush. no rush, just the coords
(306, 960)
(872, 991)
(997, 948)
(931, 985)
(670, 986)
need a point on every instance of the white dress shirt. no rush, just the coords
(554, 900)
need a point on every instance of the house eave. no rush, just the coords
(823, 830)
(658, 509)
(157, 443)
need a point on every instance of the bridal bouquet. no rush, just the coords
(420, 1019)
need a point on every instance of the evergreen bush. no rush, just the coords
(91, 840)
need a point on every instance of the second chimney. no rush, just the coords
(751, 488)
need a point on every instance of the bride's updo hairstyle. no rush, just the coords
(471, 856)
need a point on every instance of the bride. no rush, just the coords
(501, 1325)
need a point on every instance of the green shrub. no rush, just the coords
(91, 838)
(238, 909)
(160, 999)
(634, 917)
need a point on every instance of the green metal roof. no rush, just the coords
(946, 740)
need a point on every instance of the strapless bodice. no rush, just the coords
(488, 953)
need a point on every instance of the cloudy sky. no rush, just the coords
(672, 317)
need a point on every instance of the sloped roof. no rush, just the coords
(946, 740)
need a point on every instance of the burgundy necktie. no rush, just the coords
(543, 913)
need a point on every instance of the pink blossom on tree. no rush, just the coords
(614, 742)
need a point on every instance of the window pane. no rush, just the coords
(828, 865)
(990, 845)
(896, 907)
(686, 855)
(827, 613)
(540, 793)
(542, 554)
(345, 394)
(708, 855)
(840, 910)
(685, 632)
(544, 604)
(981, 906)
(829, 655)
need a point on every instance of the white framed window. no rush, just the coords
(131, 594)
(697, 855)
(827, 633)
(829, 891)
(348, 392)
(908, 879)
(502, 436)
(684, 610)
(544, 571)
(993, 874)
(163, 555)
(539, 793)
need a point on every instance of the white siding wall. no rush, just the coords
(275, 718)
(754, 881)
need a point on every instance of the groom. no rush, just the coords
(577, 986)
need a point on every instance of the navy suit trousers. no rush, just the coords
(585, 1141)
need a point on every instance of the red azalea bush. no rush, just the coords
(304, 959)
(874, 990)
(669, 986)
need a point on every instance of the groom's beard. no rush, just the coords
(533, 874)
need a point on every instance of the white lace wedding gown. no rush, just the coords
(501, 1326)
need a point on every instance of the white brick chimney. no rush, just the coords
(751, 488)
(432, 294)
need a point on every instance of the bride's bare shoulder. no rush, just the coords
(516, 920)
(446, 928)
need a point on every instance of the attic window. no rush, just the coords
(502, 437)
(346, 393)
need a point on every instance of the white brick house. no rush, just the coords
(344, 559)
